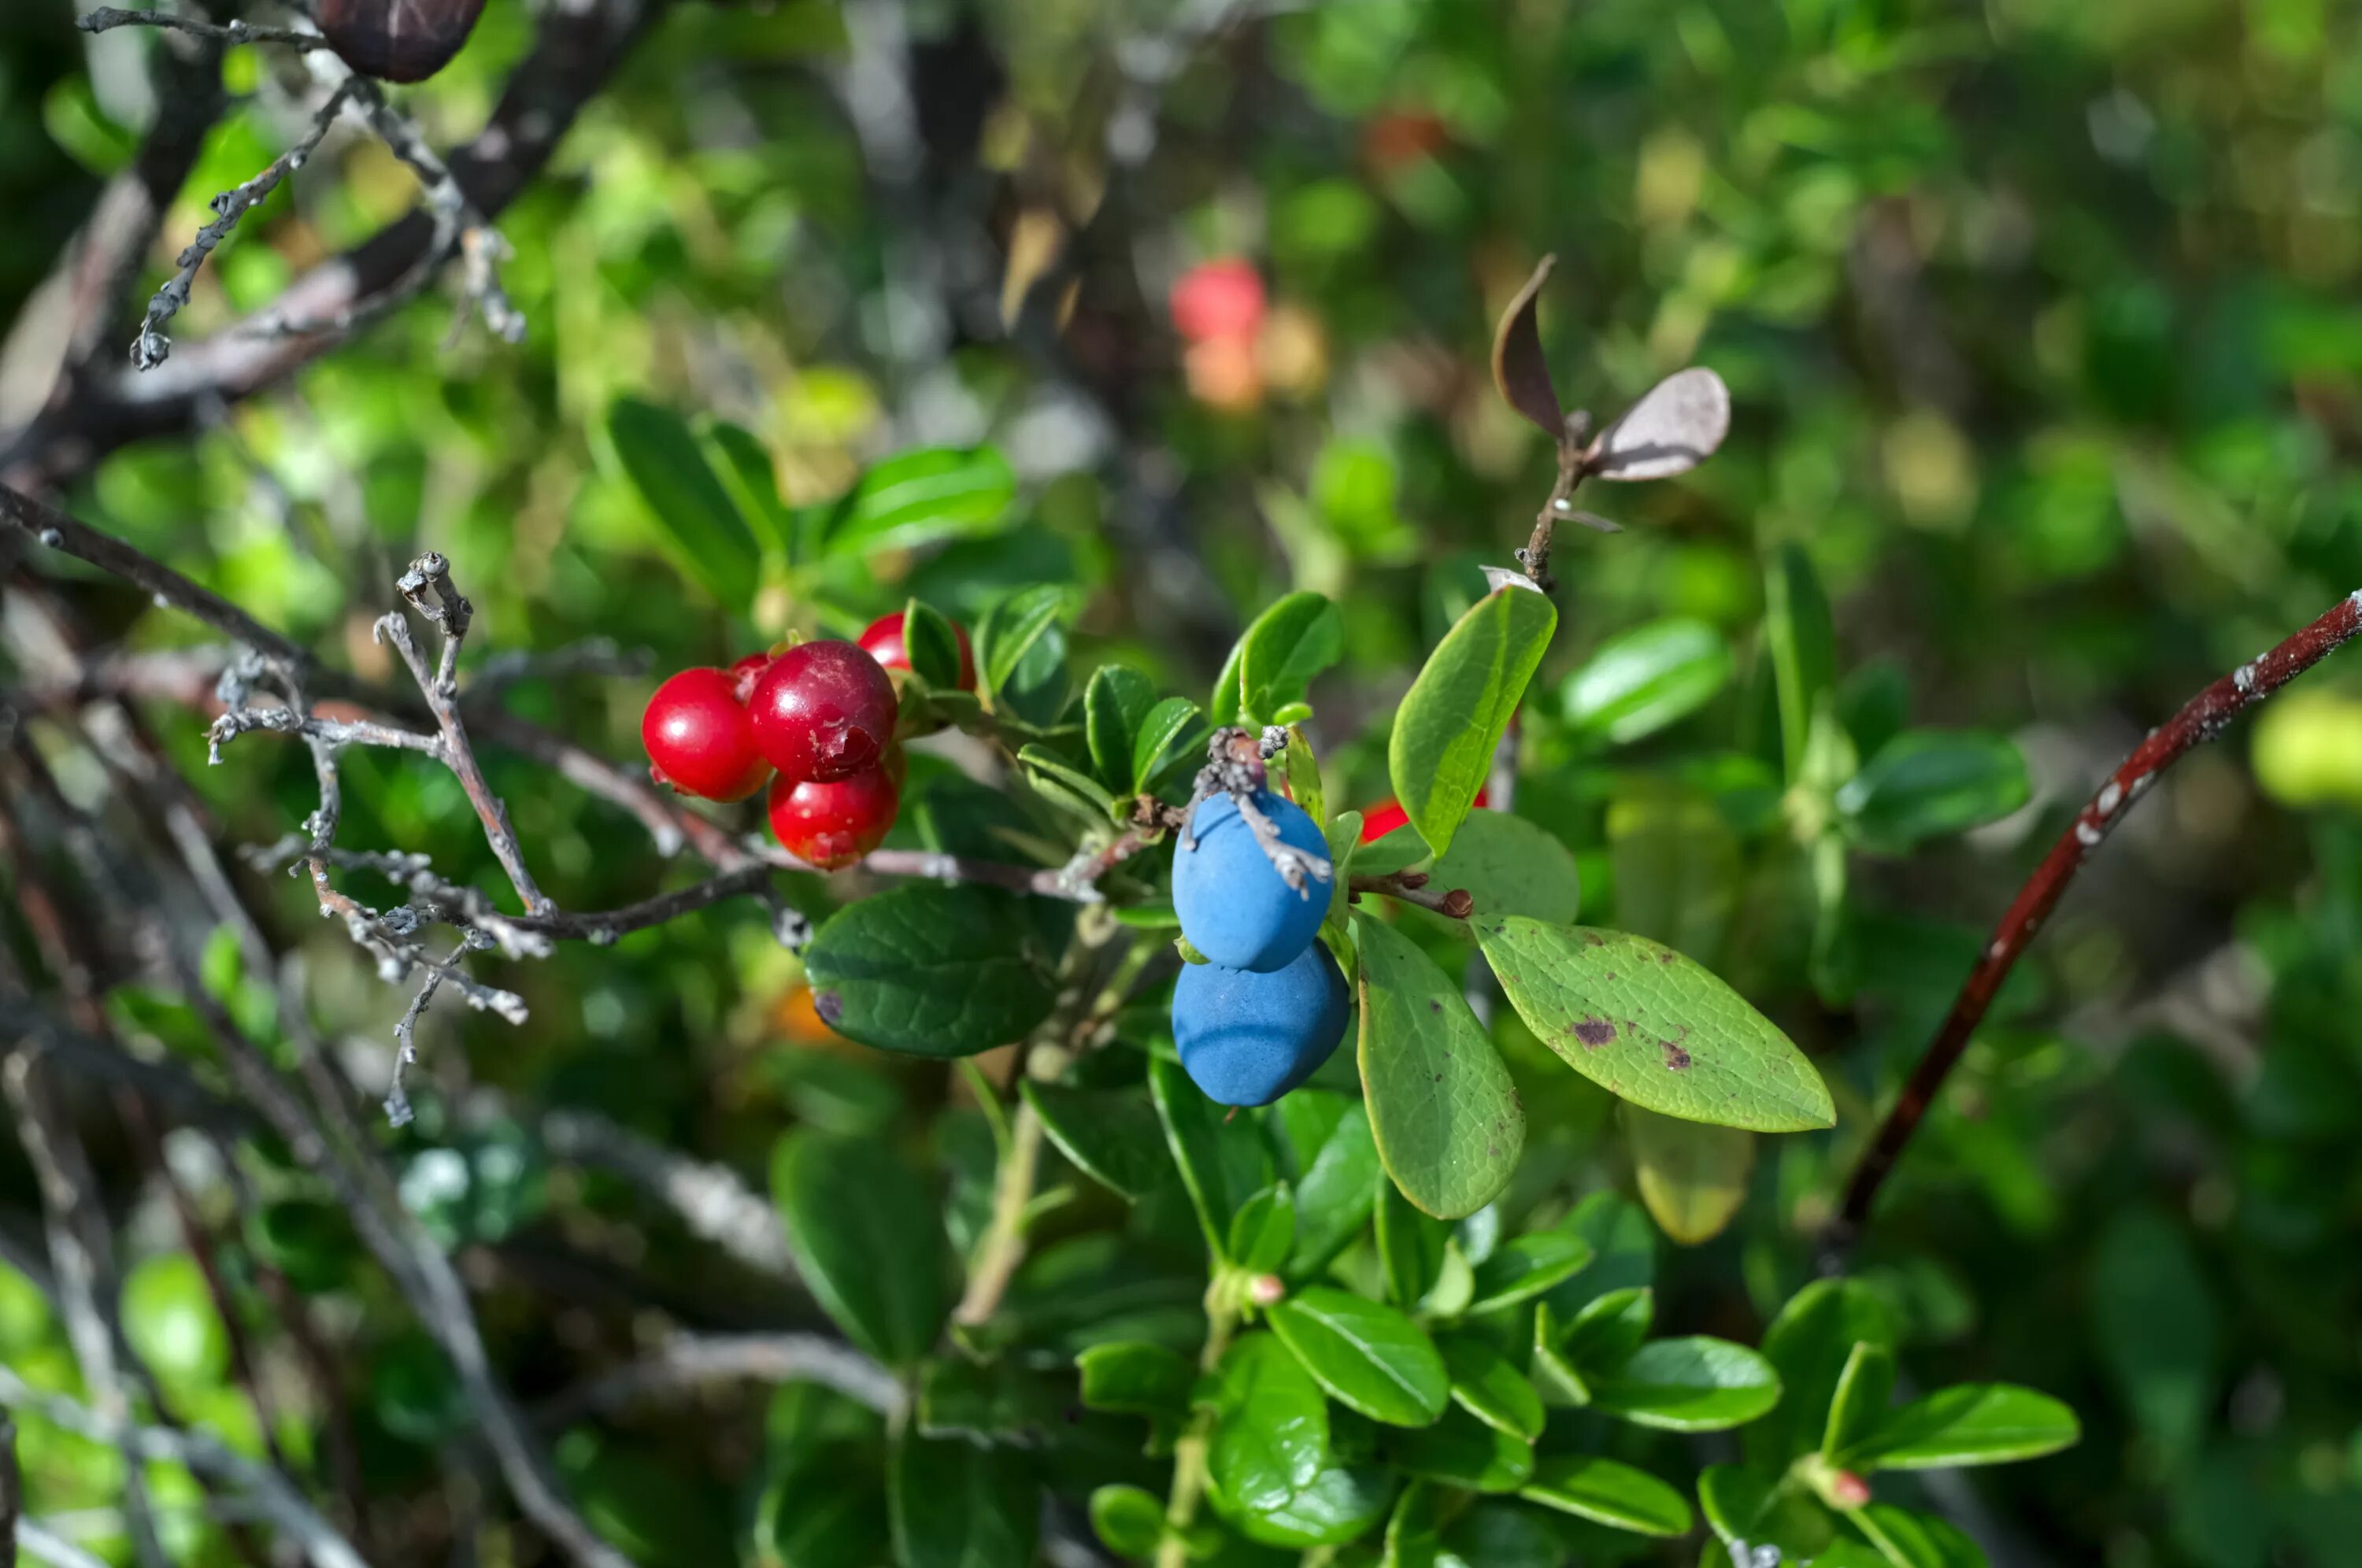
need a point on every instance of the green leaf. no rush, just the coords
(1300, 771)
(1500, 1535)
(1128, 1521)
(1525, 1266)
(1115, 704)
(1334, 1198)
(1488, 1386)
(1369, 1357)
(932, 646)
(1270, 1427)
(1801, 641)
(1059, 780)
(1511, 866)
(1976, 1423)
(1623, 1244)
(1411, 1246)
(1645, 679)
(1413, 1529)
(1110, 1136)
(953, 1505)
(918, 498)
(1864, 1390)
(1609, 1328)
(1460, 1450)
(1608, 1493)
(1445, 1117)
(1554, 1375)
(1012, 629)
(1749, 1506)
(933, 970)
(1908, 1540)
(1695, 1384)
(1343, 1503)
(708, 537)
(987, 1402)
(1453, 716)
(1808, 1344)
(1223, 1160)
(1136, 1379)
(1645, 1023)
(1263, 1230)
(866, 1239)
(830, 1513)
(1926, 783)
(1300, 636)
(1157, 745)
(744, 465)
(1692, 1176)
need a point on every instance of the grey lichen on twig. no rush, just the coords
(107, 18)
(1238, 764)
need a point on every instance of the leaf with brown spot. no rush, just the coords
(1519, 369)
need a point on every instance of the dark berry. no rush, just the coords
(699, 737)
(1233, 905)
(883, 642)
(822, 711)
(1245, 1038)
(398, 40)
(831, 826)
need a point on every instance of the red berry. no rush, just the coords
(699, 737)
(822, 711)
(747, 671)
(883, 642)
(1218, 299)
(1387, 815)
(831, 825)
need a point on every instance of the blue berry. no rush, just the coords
(1234, 906)
(1246, 1038)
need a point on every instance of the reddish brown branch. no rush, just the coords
(2201, 719)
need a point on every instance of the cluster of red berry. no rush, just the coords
(815, 720)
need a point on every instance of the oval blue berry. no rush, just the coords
(1248, 1038)
(1234, 907)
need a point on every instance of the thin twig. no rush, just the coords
(1410, 886)
(2199, 720)
(689, 1361)
(106, 19)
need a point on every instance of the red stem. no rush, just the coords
(2201, 720)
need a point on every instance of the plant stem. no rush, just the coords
(2201, 719)
(1189, 1453)
(1003, 1247)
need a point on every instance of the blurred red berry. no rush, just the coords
(1387, 815)
(699, 737)
(831, 826)
(1219, 299)
(883, 642)
(822, 711)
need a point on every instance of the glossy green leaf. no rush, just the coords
(1414, 1530)
(1926, 783)
(1524, 1266)
(1623, 1245)
(1270, 1427)
(1370, 1357)
(1692, 1175)
(1909, 1540)
(1127, 1520)
(920, 498)
(1606, 1331)
(1158, 744)
(1801, 639)
(701, 527)
(1555, 1375)
(1445, 1117)
(1411, 1246)
(1451, 720)
(1695, 1384)
(1334, 1197)
(1297, 637)
(1262, 1230)
(1343, 1502)
(933, 970)
(1647, 1024)
(1110, 1136)
(1864, 1390)
(1645, 679)
(953, 1505)
(866, 1239)
(1977, 1423)
(930, 645)
(1488, 1386)
(1511, 866)
(1115, 704)
(830, 1514)
(1755, 1507)
(1223, 1159)
(1458, 1450)
(1055, 777)
(1136, 1379)
(1808, 1344)
(1013, 627)
(744, 465)
(1608, 1493)
(1499, 1534)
